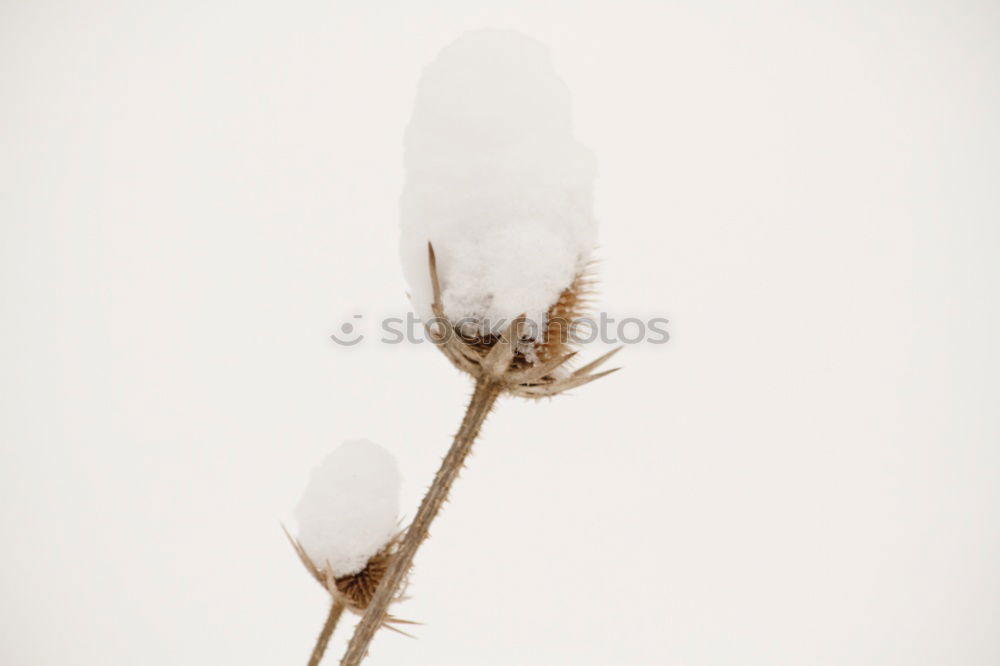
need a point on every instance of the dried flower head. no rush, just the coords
(497, 180)
(348, 522)
(523, 366)
(354, 590)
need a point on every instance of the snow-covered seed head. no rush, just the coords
(502, 192)
(349, 521)
(496, 180)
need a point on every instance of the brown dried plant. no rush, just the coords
(353, 592)
(498, 364)
(500, 360)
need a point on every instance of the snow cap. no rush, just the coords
(350, 509)
(496, 181)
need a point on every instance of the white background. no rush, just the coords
(194, 195)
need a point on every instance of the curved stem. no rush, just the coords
(480, 404)
(336, 610)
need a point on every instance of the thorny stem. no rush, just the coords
(336, 610)
(480, 404)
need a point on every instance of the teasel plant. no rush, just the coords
(349, 532)
(504, 363)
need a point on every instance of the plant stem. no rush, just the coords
(336, 610)
(480, 404)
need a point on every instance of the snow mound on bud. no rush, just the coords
(496, 181)
(350, 509)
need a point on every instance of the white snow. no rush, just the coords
(497, 181)
(350, 508)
